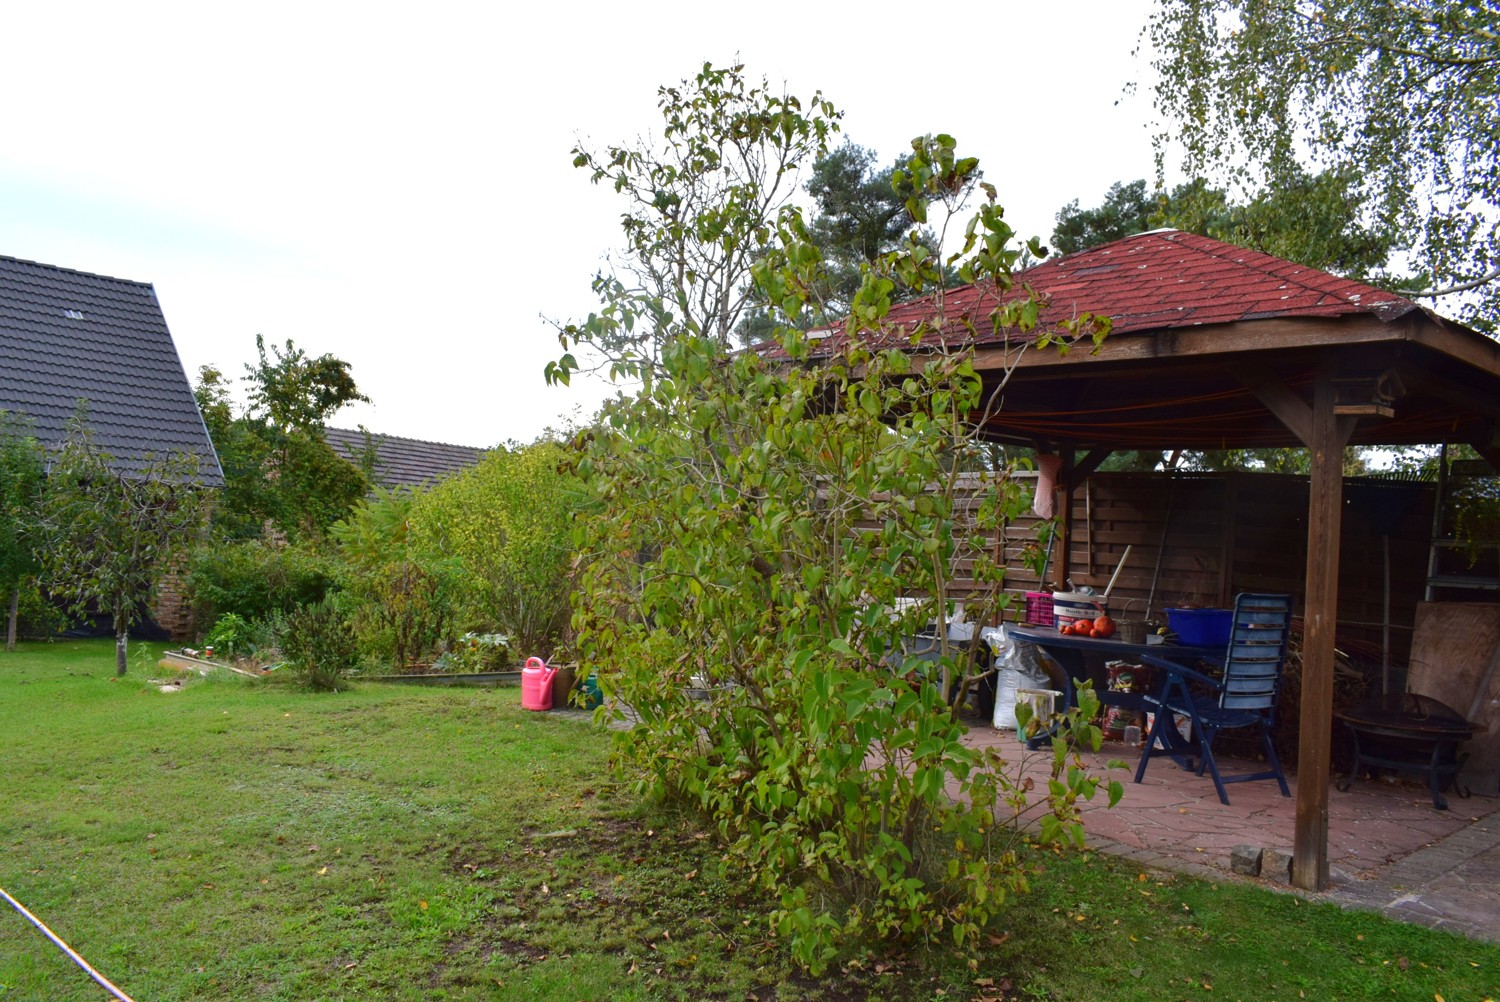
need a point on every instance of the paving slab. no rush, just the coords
(1389, 850)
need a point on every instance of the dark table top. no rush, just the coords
(1048, 637)
(1408, 714)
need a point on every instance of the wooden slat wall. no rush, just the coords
(1232, 532)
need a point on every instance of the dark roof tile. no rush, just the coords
(404, 462)
(68, 335)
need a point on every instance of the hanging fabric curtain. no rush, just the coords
(1044, 503)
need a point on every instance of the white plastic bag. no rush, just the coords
(1016, 668)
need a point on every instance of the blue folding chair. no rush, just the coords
(1244, 697)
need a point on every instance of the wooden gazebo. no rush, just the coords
(1219, 347)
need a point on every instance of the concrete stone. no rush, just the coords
(1276, 865)
(1245, 859)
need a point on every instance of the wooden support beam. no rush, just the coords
(1328, 435)
(1289, 408)
(1091, 462)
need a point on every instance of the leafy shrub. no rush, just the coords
(476, 652)
(828, 772)
(230, 635)
(265, 635)
(254, 579)
(506, 524)
(37, 616)
(404, 592)
(767, 513)
(319, 646)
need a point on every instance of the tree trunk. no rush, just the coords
(14, 614)
(121, 635)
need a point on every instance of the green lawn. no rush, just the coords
(245, 840)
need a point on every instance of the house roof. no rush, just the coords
(68, 335)
(404, 462)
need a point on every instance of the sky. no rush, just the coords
(392, 184)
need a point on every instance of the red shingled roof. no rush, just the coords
(1167, 278)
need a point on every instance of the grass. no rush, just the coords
(245, 840)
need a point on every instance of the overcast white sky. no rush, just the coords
(392, 183)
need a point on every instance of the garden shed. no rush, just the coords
(1219, 347)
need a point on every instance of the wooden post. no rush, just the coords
(1320, 616)
(1229, 527)
(1062, 562)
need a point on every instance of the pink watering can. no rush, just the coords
(536, 685)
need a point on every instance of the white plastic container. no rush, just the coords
(1068, 607)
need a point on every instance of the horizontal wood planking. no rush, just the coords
(1232, 532)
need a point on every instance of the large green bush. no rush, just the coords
(506, 524)
(402, 593)
(764, 515)
(256, 579)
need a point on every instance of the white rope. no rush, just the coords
(103, 981)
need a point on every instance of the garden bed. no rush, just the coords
(474, 678)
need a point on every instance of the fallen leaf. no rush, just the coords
(323, 871)
(997, 940)
(1136, 972)
(985, 982)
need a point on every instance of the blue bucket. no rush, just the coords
(1201, 627)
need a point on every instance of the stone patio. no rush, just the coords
(1389, 850)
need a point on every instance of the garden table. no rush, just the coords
(1083, 658)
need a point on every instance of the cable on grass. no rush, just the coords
(65, 948)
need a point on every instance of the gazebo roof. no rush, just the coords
(1205, 334)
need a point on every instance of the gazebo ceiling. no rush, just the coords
(1400, 383)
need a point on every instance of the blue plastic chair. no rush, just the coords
(1244, 697)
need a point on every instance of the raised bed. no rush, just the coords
(202, 665)
(474, 678)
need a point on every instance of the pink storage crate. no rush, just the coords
(1039, 608)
